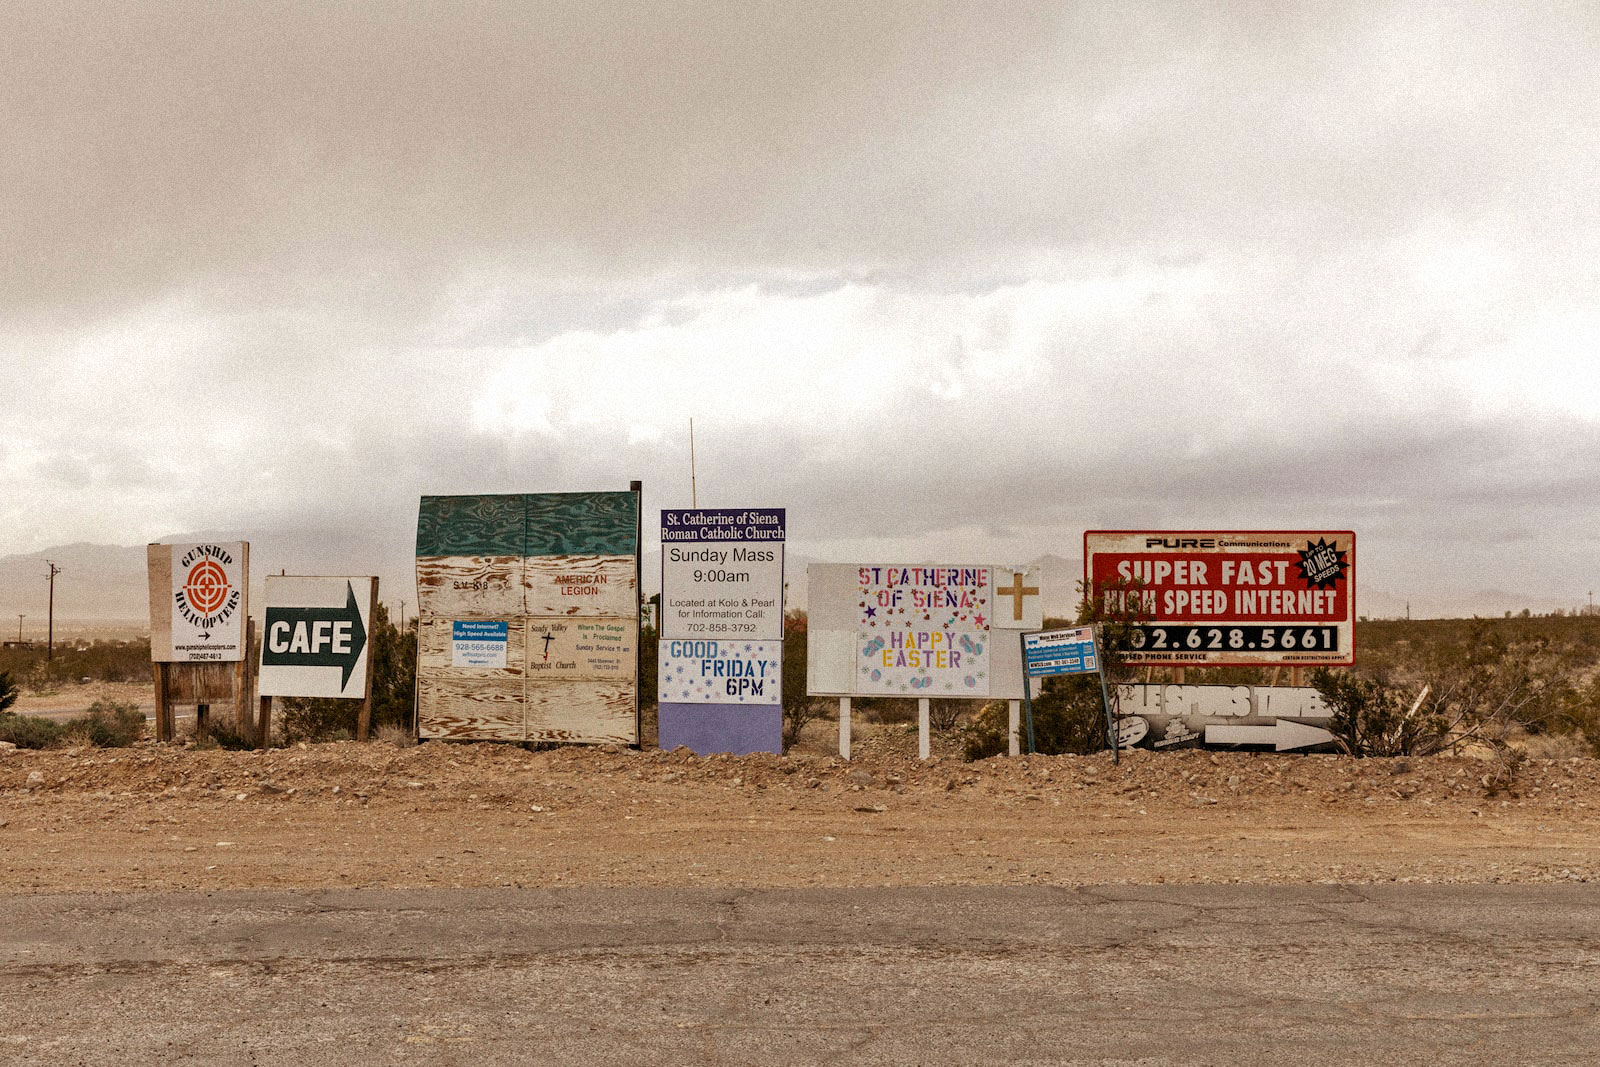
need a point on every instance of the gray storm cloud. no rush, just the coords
(917, 269)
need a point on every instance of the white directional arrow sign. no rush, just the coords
(1281, 735)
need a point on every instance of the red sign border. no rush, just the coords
(1088, 578)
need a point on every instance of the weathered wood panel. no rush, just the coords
(200, 683)
(585, 711)
(570, 649)
(433, 650)
(566, 524)
(470, 587)
(158, 568)
(472, 525)
(456, 704)
(581, 585)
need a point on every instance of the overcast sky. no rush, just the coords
(943, 279)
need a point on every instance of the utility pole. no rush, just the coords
(50, 647)
(19, 628)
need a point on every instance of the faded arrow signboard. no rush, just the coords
(315, 639)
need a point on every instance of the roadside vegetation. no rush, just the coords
(394, 696)
(99, 661)
(106, 724)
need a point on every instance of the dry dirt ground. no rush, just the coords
(487, 815)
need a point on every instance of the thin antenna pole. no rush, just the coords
(694, 496)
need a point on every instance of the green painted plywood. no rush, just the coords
(582, 524)
(471, 525)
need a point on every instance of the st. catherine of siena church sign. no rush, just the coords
(919, 630)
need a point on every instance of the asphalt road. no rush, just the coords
(1126, 975)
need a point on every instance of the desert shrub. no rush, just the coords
(30, 731)
(394, 697)
(1069, 712)
(109, 724)
(225, 734)
(1486, 685)
(798, 708)
(8, 691)
(1373, 718)
(1068, 719)
(393, 734)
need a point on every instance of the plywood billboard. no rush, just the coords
(919, 630)
(528, 608)
(1229, 597)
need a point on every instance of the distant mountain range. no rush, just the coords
(105, 584)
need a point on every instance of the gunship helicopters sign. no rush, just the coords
(198, 601)
(316, 637)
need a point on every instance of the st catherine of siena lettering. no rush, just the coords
(923, 630)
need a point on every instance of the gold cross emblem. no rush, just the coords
(1016, 592)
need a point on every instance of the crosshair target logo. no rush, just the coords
(206, 589)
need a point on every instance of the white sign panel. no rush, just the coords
(479, 643)
(917, 630)
(720, 672)
(923, 630)
(208, 591)
(316, 636)
(722, 573)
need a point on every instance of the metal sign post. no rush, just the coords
(1027, 690)
(1105, 699)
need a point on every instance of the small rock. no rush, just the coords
(268, 787)
(872, 809)
(239, 796)
(413, 785)
(335, 790)
(224, 844)
(535, 807)
(862, 778)
(812, 783)
(35, 777)
(190, 848)
(7, 746)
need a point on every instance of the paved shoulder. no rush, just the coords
(1158, 974)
